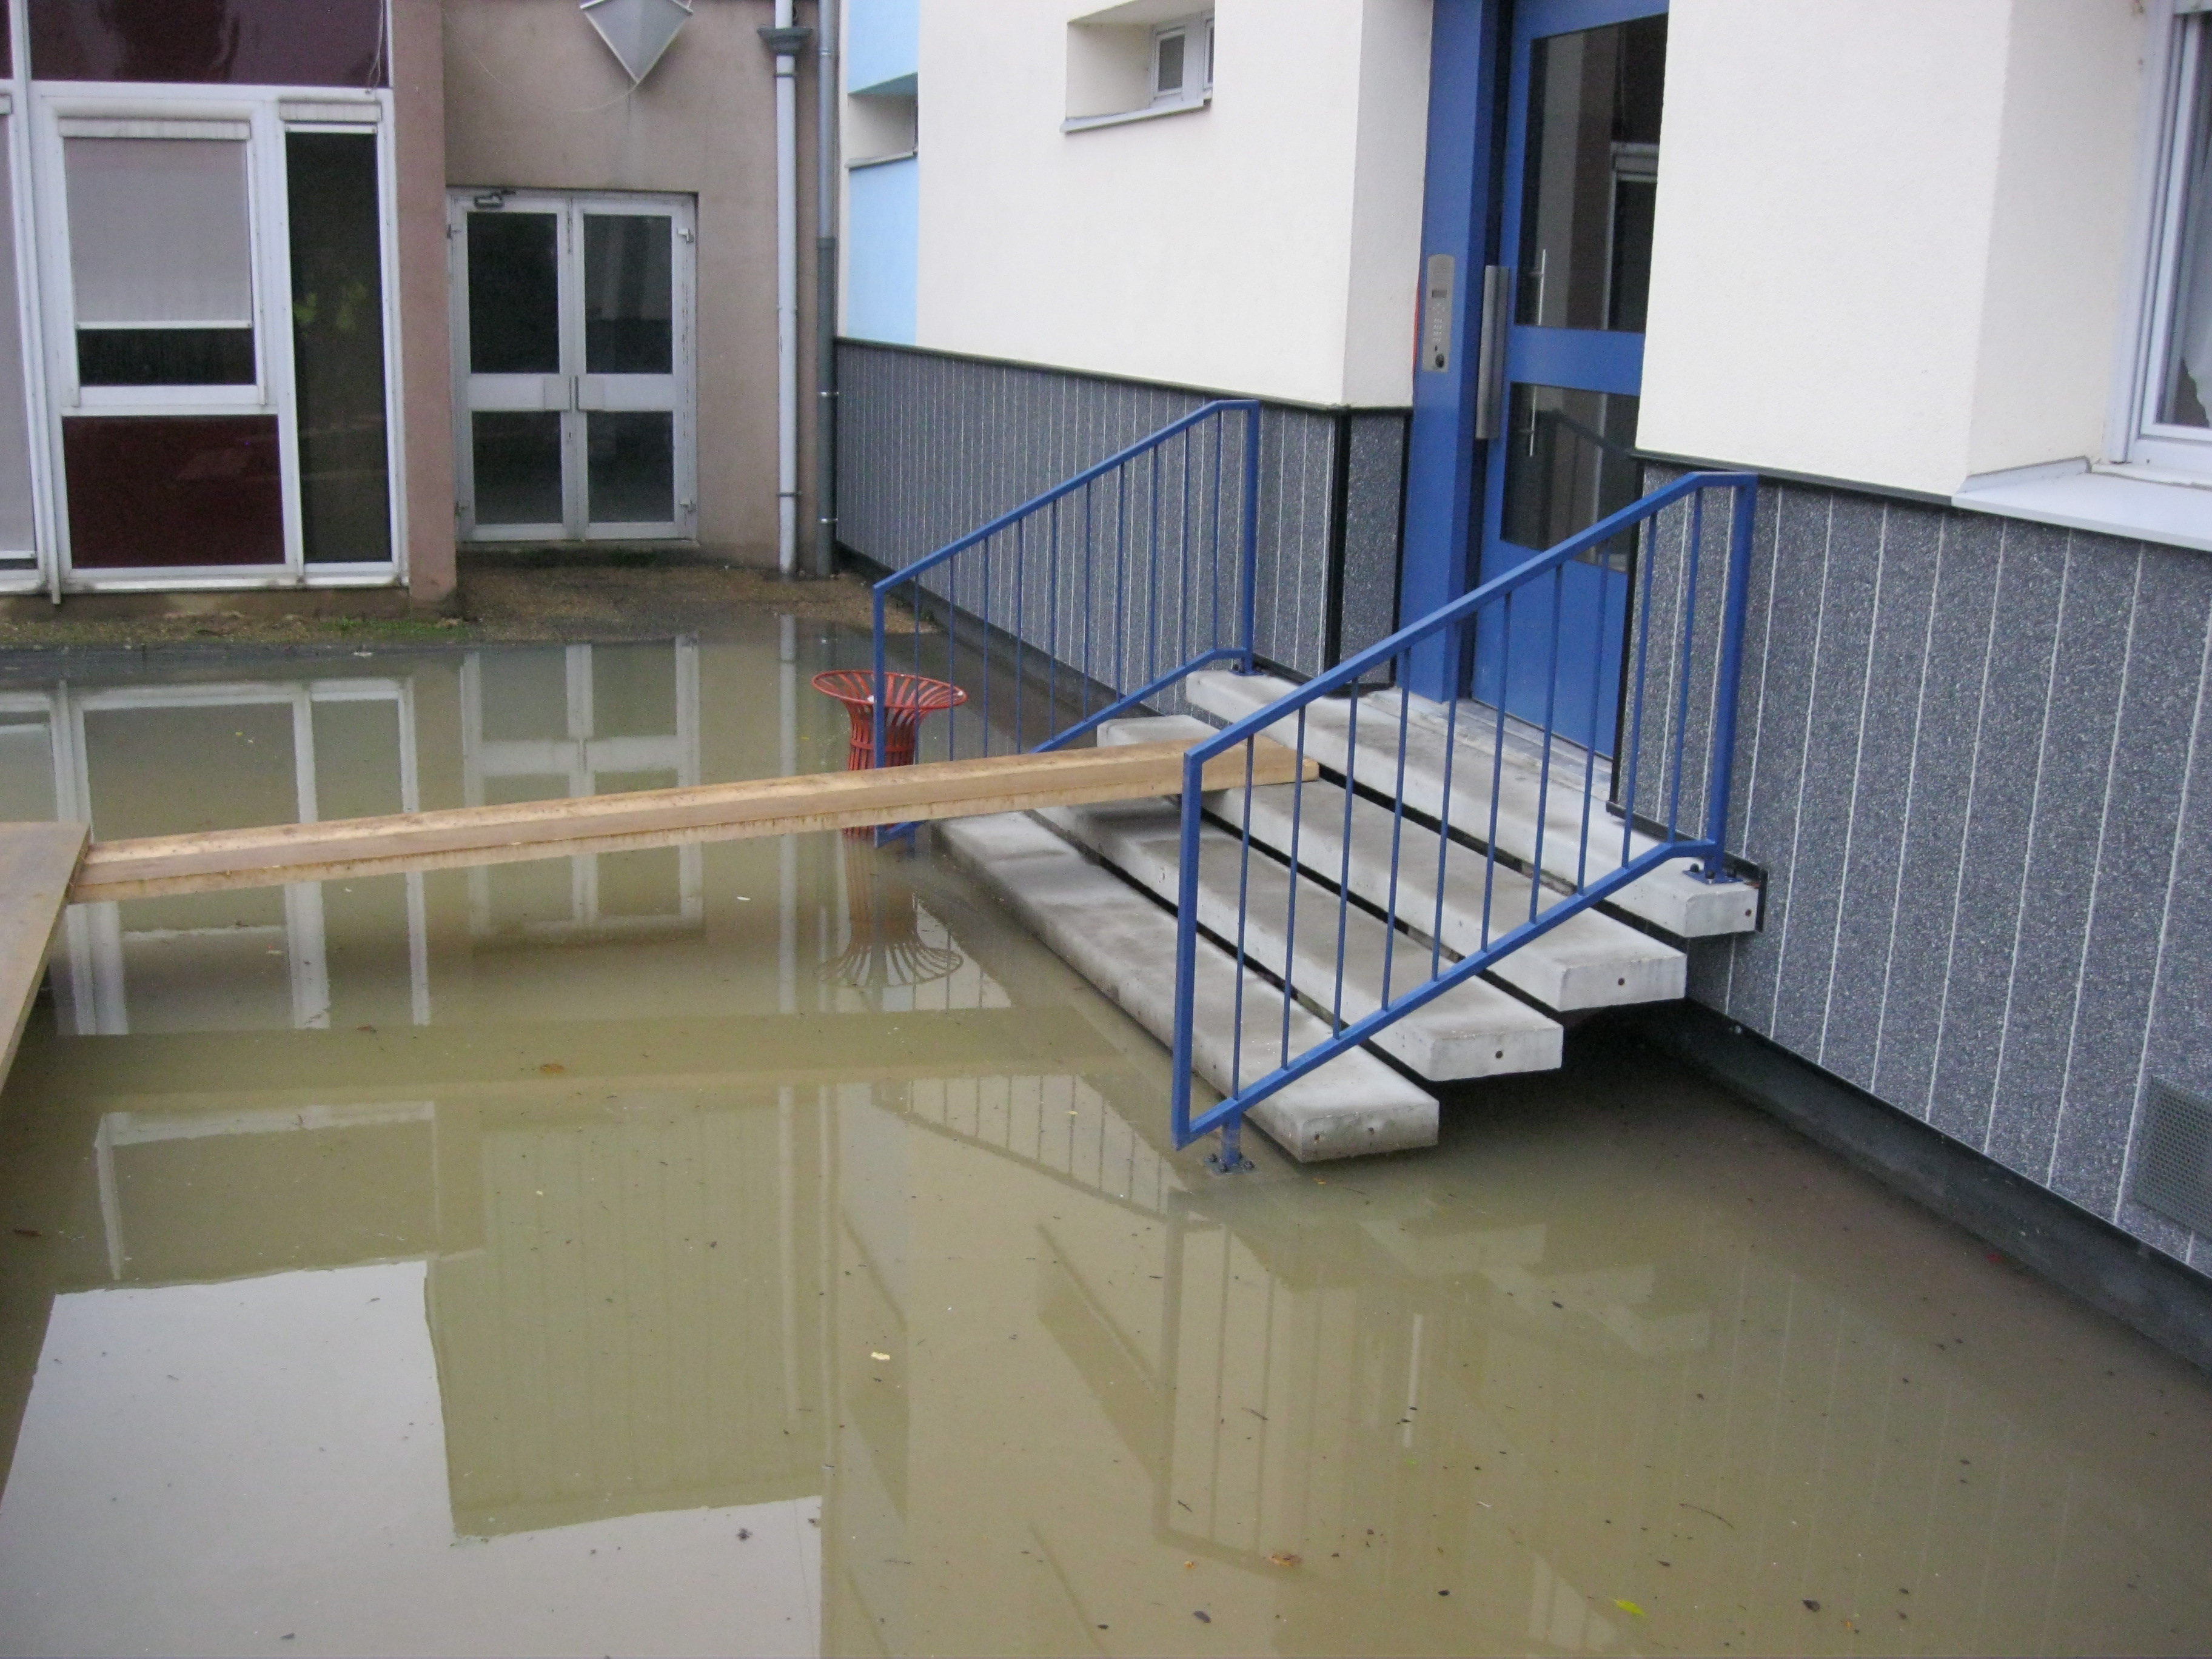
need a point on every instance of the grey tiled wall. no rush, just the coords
(1971, 756)
(931, 447)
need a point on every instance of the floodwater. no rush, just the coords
(767, 1248)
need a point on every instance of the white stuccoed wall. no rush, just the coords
(1892, 235)
(1268, 245)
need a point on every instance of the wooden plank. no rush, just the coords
(37, 863)
(219, 860)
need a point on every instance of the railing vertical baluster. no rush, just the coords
(1682, 661)
(1251, 550)
(1742, 513)
(1052, 619)
(1647, 534)
(882, 678)
(1193, 769)
(1213, 561)
(1397, 833)
(1152, 580)
(1590, 749)
(1443, 816)
(1191, 856)
(1344, 871)
(1544, 770)
(1497, 765)
(1297, 825)
(1090, 594)
(1021, 618)
(983, 641)
(1183, 596)
(1121, 577)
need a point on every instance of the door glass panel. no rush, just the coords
(515, 294)
(632, 467)
(1591, 176)
(16, 534)
(1571, 461)
(518, 467)
(161, 261)
(337, 346)
(169, 490)
(628, 294)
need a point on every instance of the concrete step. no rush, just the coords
(1472, 1030)
(1588, 961)
(1125, 945)
(1673, 898)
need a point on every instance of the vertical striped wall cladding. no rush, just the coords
(1972, 756)
(931, 447)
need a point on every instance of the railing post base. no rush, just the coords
(1228, 1159)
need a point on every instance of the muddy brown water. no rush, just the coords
(769, 1248)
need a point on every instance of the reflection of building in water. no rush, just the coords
(587, 720)
(527, 724)
(158, 760)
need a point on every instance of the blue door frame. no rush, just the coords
(1478, 105)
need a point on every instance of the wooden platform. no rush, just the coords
(37, 862)
(218, 861)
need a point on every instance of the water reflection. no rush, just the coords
(794, 1192)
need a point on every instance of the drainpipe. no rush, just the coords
(786, 40)
(826, 88)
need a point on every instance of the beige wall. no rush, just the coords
(534, 100)
(424, 452)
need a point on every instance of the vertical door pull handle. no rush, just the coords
(1490, 359)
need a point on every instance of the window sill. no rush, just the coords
(1154, 112)
(881, 161)
(2108, 502)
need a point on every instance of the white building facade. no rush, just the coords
(1941, 275)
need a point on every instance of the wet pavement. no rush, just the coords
(767, 1248)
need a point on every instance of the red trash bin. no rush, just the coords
(908, 699)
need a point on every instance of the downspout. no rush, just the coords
(827, 87)
(786, 40)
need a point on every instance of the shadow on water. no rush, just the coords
(769, 1248)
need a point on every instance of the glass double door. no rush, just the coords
(573, 349)
(1580, 187)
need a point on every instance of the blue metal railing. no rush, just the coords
(1095, 598)
(1532, 829)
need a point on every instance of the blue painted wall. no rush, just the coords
(883, 45)
(883, 238)
(1458, 218)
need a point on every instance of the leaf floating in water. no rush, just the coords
(1203, 1616)
(552, 1068)
(1629, 1607)
(872, 1354)
(1283, 1558)
(1811, 1606)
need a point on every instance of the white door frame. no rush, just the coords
(572, 393)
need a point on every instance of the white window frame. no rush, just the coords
(1196, 34)
(2179, 63)
(49, 324)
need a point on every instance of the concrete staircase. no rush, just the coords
(1118, 929)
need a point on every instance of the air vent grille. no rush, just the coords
(2173, 1160)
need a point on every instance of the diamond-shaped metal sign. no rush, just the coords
(637, 31)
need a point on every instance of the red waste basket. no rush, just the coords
(908, 699)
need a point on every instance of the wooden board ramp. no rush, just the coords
(222, 860)
(37, 862)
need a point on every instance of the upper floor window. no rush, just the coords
(1182, 61)
(2174, 407)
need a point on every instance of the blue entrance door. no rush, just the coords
(1580, 177)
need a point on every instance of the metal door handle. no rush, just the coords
(1490, 359)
